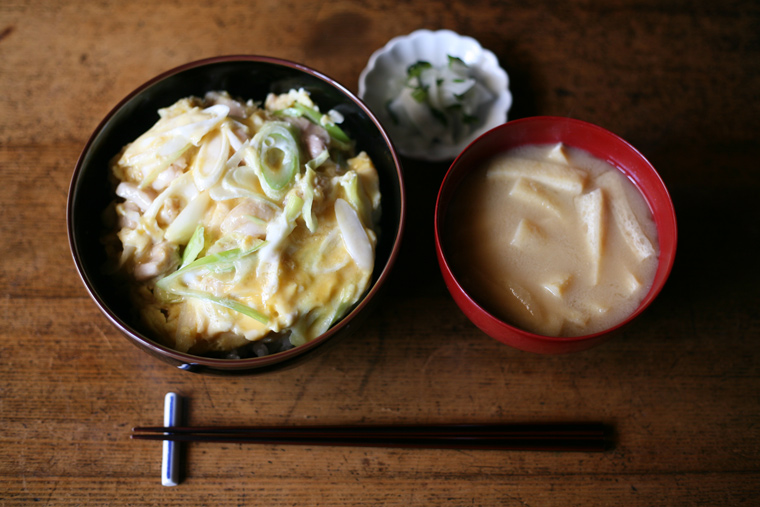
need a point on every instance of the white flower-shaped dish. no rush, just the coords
(385, 74)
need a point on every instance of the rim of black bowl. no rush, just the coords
(192, 362)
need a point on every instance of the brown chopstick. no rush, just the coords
(544, 437)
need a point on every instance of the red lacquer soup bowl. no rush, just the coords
(601, 144)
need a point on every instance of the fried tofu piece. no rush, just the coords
(557, 286)
(526, 234)
(535, 194)
(624, 217)
(595, 307)
(590, 208)
(529, 314)
(631, 283)
(524, 297)
(557, 154)
(576, 317)
(557, 176)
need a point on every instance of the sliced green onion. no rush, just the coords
(194, 246)
(469, 119)
(207, 260)
(212, 116)
(439, 115)
(210, 162)
(293, 207)
(308, 184)
(225, 302)
(415, 69)
(318, 160)
(419, 94)
(457, 63)
(225, 256)
(277, 154)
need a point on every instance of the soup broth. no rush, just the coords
(552, 240)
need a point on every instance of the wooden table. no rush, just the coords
(679, 80)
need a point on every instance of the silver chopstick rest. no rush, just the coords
(170, 462)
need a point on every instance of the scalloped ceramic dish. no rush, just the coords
(386, 71)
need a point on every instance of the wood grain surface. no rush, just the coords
(680, 80)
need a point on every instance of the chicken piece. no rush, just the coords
(161, 258)
(130, 192)
(250, 217)
(236, 108)
(313, 137)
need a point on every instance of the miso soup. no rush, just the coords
(552, 240)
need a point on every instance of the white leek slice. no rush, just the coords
(211, 159)
(161, 146)
(354, 236)
(173, 146)
(154, 163)
(280, 227)
(241, 181)
(182, 228)
(181, 187)
(238, 148)
(177, 140)
(195, 131)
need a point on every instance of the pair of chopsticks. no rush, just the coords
(527, 437)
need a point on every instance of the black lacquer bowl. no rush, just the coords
(249, 77)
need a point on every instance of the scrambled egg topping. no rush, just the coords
(236, 222)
